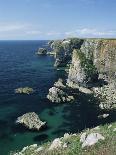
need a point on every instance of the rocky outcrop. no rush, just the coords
(59, 83)
(93, 62)
(93, 54)
(91, 139)
(63, 50)
(28, 149)
(57, 95)
(42, 51)
(31, 121)
(106, 95)
(82, 70)
(25, 90)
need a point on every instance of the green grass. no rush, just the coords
(103, 147)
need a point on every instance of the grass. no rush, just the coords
(103, 147)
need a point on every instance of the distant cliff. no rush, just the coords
(92, 65)
(100, 53)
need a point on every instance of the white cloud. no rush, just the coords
(90, 32)
(53, 33)
(34, 32)
(11, 27)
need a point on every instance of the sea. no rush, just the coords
(20, 66)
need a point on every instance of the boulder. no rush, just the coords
(103, 116)
(31, 121)
(25, 90)
(85, 90)
(57, 95)
(42, 51)
(106, 95)
(91, 139)
(59, 83)
(56, 144)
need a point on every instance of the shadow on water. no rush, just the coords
(83, 114)
(42, 137)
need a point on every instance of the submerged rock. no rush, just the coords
(31, 121)
(25, 90)
(42, 51)
(91, 139)
(57, 95)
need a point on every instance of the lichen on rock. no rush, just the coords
(57, 95)
(25, 90)
(42, 51)
(31, 121)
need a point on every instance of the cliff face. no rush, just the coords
(63, 50)
(92, 65)
(100, 53)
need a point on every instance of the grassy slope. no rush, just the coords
(103, 147)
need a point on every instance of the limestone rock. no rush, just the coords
(57, 95)
(42, 51)
(59, 84)
(82, 70)
(56, 144)
(25, 90)
(91, 139)
(33, 149)
(103, 116)
(31, 121)
(85, 90)
(106, 95)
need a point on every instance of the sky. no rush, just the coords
(57, 19)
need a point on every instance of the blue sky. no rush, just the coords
(55, 19)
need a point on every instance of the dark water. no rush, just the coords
(20, 67)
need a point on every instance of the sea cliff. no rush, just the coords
(91, 65)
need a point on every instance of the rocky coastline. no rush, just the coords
(92, 71)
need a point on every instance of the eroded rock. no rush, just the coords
(91, 139)
(42, 51)
(25, 90)
(31, 121)
(59, 83)
(57, 95)
(57, 143)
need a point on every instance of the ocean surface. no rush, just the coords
(20, 67)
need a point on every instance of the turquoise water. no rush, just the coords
(20, 67)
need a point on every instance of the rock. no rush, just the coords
(42, 51)
(66, 136)
(57, 95)
(39, 149)
(109, 126)
(82, 70)
(59, 84)
(85, 90)
(65, 145)
(91, 139)
(56, 144)
(114, 129)
(83, 137)
(106, 95)
(33, 149)
(97, 128)
(103, 116)
(31, 121)
(25, 90)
